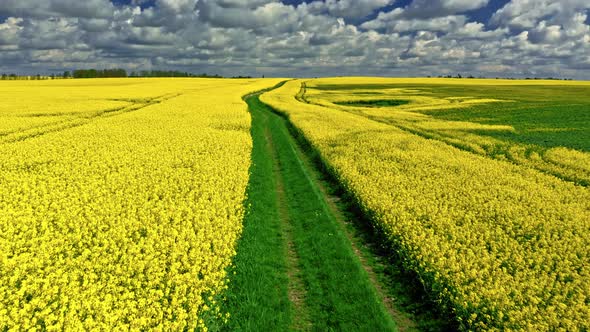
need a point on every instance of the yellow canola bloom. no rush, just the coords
(503, 246)
(565, 163)
(126, 221)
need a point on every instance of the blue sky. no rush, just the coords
(514, 38)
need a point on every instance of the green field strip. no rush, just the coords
(339, 292)
(296, 288)
(409, 304)
(392, 283)
(258, 295)
(304, 261)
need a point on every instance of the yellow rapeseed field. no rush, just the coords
(465, 135)
(120, 201)
(503, 245)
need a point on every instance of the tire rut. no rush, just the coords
(296, 288)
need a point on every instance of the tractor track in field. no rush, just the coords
(21, 135)
(296, 288)
(307, 261)
(320, 270)
(403, 321)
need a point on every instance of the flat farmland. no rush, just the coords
(343, 204)
(480, 185)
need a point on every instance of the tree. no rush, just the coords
(66, 74)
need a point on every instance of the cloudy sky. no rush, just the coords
(300, 38)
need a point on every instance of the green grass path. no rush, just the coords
(258, 293)
(295, 267)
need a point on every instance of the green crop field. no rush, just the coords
(548, 116)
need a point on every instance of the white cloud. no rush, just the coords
(395, 22)
(440, 15)
(94, 24)
(317, 38)
(544, 33)
(525, 14)
(351, 9)
(67, 8)
(249, 15)
(439, 8)
(176, 6)
(9, 31)
(56, 33)
(476, 30)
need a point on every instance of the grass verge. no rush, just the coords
(338, 292)
(410, 304)
(257, 298)
(307, 260)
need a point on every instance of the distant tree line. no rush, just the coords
(505, 78)
(94, 73)
(106, 73)
(6, 77)
(169, 73)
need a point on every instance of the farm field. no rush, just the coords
(120, 201)
(493, 216)
(344, 204)
(538, 124)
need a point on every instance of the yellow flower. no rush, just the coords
(502, 244)
(114, 190)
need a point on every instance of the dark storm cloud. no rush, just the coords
(295, 38)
